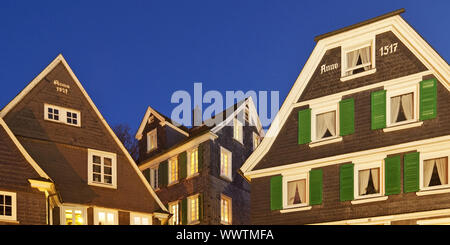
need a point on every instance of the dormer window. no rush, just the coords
(152, 140)
(358, 60)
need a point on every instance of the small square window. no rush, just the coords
(152, 140)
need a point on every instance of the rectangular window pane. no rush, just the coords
(326, 125)
(435, 172)
(296, 192)
(369, 181)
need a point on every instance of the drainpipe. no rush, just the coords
(48, 207)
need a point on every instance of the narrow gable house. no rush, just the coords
(363, 136)
(87, 176)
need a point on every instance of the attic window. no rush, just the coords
(62, 115)
(152, 140)
(358, 60)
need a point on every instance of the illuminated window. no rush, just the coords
(74, 216)
(102, 168)
(174, 210)
(105, 216)
(435, 173)
(225, 163)
(193, 209)
(225, 210)
(173, 170)
(152, 140)
(154, 178)
(192, 162)
(237, 130)
(8, 205)
(62, 115)
(140, 219)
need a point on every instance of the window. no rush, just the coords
(368, 180)
(193, 209)
(401, 105)
(295, 191)
(102, 168)
(435, 172)
(105, 216)
(358, 59)
(225, 163)
(8, 205)
(237, 130)
(140, 219)
(174, 210)
(73, 216)
(154, 178)
(152, 140)
(325, 125)
(225, 210)
(62, 115)
(256, 140)
(173, 170)
(192, 162)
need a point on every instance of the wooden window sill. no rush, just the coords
(367, 200)
(361, 74)
(290, 210)
(403, 126)
(432, 192)
(325, 141)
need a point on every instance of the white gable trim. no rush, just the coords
(150, 111)
(397, 25)
(53, 64)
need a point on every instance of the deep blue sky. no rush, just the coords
(130, 54)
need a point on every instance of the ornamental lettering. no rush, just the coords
(61, 87)
(325, 68)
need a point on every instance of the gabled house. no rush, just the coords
(195, 171)
(363, 136)
(85, 174)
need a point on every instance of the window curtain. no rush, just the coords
(326, 121)
(352, 59)
(297, 188)
(363, 181)
(365, 57)
(441, 164)
(428, 166)
(407, 105)
(376, 179)
(395, 108)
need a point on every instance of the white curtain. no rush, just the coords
(321, 126)
(395, 108)
(363, 181)
(376, 179)
(295, 186)
(302, 190)
(331, 122)
(407, 105)
(441, 164)
(428, 166)
(352, 59)
(365, 57)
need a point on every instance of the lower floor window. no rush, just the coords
(140, 219)
(74, 216)
(225, 210)
(369, 181)
(175, 211)
(435, 172)
(193, 207)
(105, 217)
(7, 205)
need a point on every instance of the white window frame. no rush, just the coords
(189, 209)
(153, 134)
(361, 42)
(177, 215)
(363, 166)
(170, 162)
(140, 216)
(392, 92)
(289, 178)
(102, 155)
(230, 164)
(189, 162)
(238, 125)
(320, 109)
(73, 207)
(432, 155)
(107, 212)
(13, 216)
(229, 210)
(62, 114)
(154, 177)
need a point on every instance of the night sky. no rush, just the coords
(131, 54)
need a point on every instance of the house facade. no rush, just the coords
(362, 137)
(78, 172)
(195, 171)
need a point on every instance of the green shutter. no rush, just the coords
(346, 182)
(184, 212)
(393, 175)
(347, 116)
(200, 157)
(163, 173)
(276, 192)
(200, 206)
(182, 165)
(146, 174)
(315, 186)
(304, 126)
(378, 108)
(428, 99)
(411, 172)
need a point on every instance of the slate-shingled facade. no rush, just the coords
(364, 135)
